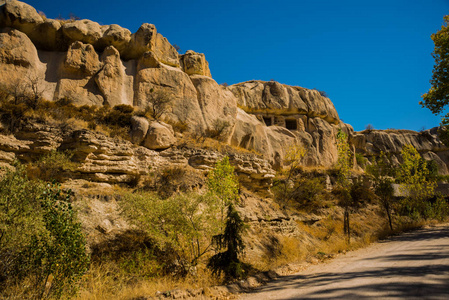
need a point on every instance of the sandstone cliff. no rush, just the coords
(95, 64)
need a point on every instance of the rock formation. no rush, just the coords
(98, 65)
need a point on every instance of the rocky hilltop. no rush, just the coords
(93, 64)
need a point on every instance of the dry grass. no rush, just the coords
(107, 281)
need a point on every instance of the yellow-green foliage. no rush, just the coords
(344, 156)
(42, 248)
(20, 216)
(181, 226)
(52, 166)
(416, 182)
(222, 184)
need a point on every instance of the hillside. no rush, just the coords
(119, 117)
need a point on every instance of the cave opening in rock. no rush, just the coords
(291, 124)
(268, 121)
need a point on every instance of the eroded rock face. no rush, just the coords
(148, 39)
(115, 85)
(21, 16)
(273, 98)
(195, 64)
(159, 136)
(115, 36)
(371, 143)
(217, 105)
(107, 65)
(85, 31)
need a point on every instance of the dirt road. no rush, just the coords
(414, 265)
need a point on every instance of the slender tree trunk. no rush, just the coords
(346, 226)
(387, 209)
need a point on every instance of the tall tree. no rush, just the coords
(415, 180)
(382, 173)
(437, 98)
(344, 174)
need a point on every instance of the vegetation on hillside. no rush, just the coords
(437, 98)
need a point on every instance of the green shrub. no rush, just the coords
(181, 227)
(42, 248)
(56, 258)
(52, 166)
(20, 218)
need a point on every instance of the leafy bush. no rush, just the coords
(223, 185)
(56, 258)
(181, 226)
(20, 218)
(41, 243)
(52, 166)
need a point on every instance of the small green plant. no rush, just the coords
(228, 261)
(52, 166)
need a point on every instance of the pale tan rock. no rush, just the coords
(114, 84)
(19, 63)
(148, 39)
(85, 31)
(195, 64)
(148, 60)
(159, 136)
(80, 64)
(17, 49)
(81, 59)
(217, 104)
(249, 133)
(116, 36)
(175, 84)
(21, 16)
(139, 129)
(276, 99)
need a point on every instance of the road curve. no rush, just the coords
(414, 265)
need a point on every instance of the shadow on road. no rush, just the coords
(424, 275)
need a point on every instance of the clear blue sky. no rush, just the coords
(373, 58)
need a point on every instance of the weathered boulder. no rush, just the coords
(159, 136)
(21, 16)
(19, 63)
(81, 60)
(195, 64)
(80, 64)
(114, 35)
(273, 98)
(48, 36)
(17, 49)
(218, 105)
(139, 129)
(148, 39)
(173, 83)
(85, 31)
(112, 80)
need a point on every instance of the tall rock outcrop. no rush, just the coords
(95, 64)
